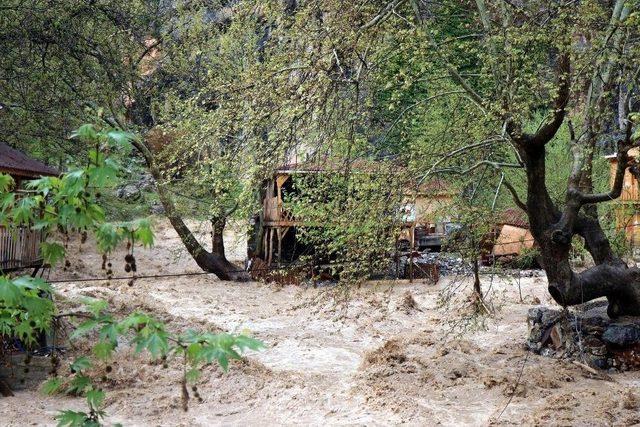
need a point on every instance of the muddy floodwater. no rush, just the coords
(392, 355)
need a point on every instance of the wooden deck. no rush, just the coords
(20, 248)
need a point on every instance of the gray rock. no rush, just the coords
(147, 183)
(622, 334)
(157, 209)
(129, 192)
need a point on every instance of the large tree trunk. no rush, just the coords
(217, 236)
(215, 261)
(553, 231)
(554, 228)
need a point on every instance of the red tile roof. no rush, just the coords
(17, 163)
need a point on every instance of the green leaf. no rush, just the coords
(121, 139)
(6, 182)
(103, 350)
(243, 341)
(79, 385)
(72, 419)
(80, 364)
(192, 375)
(86, 131)
(95, 399)
(84, 328)
(28, 282)
(95, 306)
(52, 386)
(144, 233)
(52, 252)
(9, 292)
(102, 176)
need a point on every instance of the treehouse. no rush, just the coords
(275, 238)
(627, 206)
(20, 247)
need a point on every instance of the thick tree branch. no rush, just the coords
(547, 131)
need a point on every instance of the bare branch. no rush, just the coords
(381, 16)
(515, 196)
(455, 152)
(622, 158)
(453, 73)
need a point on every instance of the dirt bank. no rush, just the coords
(393, 355)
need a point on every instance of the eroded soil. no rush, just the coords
(392, 355)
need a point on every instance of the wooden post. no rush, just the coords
(279, 233)
(269, 246)
(411, 246)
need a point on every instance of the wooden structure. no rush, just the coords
(278, 225)
(512, 234)
(20, 247)
(627, 206)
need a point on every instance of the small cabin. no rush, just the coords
(276, 239)
(627, 206)
(20, 247)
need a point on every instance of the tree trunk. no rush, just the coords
(553, 231)
(217, 236)
(213, 262)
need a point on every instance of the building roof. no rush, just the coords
(326, 165)
(17, 163)
(515, 217)
(432, 187)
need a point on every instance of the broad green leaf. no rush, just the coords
(79, 385)
(9, 292)
(52, 386)
(80, 364)
(103, 350)
(72, 419)
(95, 398)
(52, 252)
(86, 131)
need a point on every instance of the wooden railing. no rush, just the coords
(274, 214)
(20, 248)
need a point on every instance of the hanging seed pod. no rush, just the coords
(130, 283)
(127, 268)
(83, 237)
(104, 261)
(129, 259)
